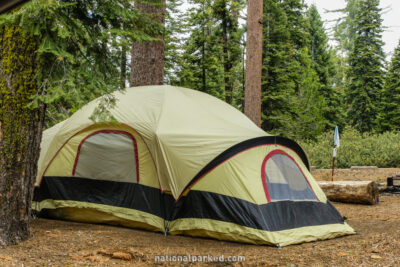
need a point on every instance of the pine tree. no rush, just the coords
(294, 10)
(201, 67)
(211, 59)
(278, 89)
(94, 63)
(344, 33)
(226, 13)
(390, 115)
(311, 103)
(366, 67)
(324, 65)
(290, 86)
(345, 28)
(173, 44)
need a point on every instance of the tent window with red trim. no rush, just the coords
(108, 155)
(284, 180)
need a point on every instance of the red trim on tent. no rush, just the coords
(110, 132)
(264, 179)
(84, 129)
(48, 165)
(190, 186)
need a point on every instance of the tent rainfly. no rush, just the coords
(180, 161)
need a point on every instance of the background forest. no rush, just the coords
(308, 85)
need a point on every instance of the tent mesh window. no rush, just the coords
(108, 155)
(284, 180)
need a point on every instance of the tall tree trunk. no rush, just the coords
(123, 68)
(147, 65)
(20, 132)
(227, 61)
(252, 94)
(203, 65)
(203, 52)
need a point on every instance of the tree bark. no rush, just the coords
(203, 50)
(123, 68)
(361, 192)
(147, 62)
(20, 132)
(252, 93)
(227, 59)
(203, 65)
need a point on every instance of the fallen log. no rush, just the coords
(363, 168)
(360, 192)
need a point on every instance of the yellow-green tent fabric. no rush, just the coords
(180, 161)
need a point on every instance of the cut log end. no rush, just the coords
(359, 192)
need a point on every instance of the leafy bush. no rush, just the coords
(382, 150)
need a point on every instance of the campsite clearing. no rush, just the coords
(367, 174)
(61, 243)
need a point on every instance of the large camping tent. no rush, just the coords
(180, 161)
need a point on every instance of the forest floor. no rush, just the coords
(61, 243)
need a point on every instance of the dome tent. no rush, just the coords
(180, 161)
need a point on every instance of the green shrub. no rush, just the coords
(382, 150)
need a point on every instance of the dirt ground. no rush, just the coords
(61, 243)
(358, 174)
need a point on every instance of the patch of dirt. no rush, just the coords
(62, 243)
(373, 174)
